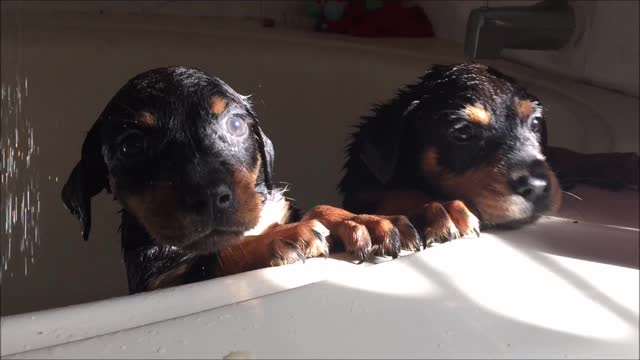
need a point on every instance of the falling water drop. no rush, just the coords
(19, 156)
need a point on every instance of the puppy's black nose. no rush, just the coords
(218, 197)
(222, 196)
(533, 185)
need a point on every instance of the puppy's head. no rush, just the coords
(480, 137)
(183, 153)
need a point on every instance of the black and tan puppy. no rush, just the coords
(183, 154)
(461, 148)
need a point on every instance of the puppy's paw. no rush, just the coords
(365, 235)
(298, 241)
(441, 222)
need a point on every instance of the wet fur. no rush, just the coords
(151, 265)
(401, 158)
(172, 231)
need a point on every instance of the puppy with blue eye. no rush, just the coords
(184, 155)
(464, 147)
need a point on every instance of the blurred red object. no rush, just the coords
(391, 19)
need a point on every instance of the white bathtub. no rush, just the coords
(308, 90)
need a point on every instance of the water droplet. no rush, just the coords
(19, 175)
(160, 350)
(40, 333)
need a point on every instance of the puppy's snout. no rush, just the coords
(534, 184)
(217, 197)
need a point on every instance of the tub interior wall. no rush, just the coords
(307, 95)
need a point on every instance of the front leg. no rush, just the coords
(277, 245)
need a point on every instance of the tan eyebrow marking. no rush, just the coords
(477, 114)
(217, 105)
(525, 109)
(146, 119)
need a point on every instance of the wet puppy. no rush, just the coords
(461, 148)
(184, 155)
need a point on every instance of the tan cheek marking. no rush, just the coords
(248, 202)
(477, 114)
(146, 119)
(430, 162)
(556, 191)
(525, 109)
(217, 105)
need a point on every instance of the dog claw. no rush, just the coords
(318, 235)
(418, 245)
(451, 235)
(293, 246)
(364, 255)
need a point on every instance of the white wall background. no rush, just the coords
(608, 34)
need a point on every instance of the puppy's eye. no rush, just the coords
(237, 126)
(462, 133)
(131, 143)
(534, 124)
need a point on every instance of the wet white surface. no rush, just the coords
(611, 238)
(555, 289)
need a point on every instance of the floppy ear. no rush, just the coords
(383, 139)
(544, 139)
(381, 145)
(268, 156)
(544, 143)
(267, 152)
(87, 179)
